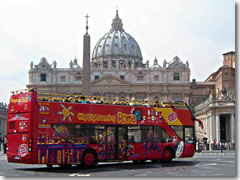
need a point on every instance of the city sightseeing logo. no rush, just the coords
(22, 150)
(172, 117)
(66, 113)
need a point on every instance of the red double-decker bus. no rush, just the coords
(46, 130)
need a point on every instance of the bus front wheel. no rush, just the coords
(167, 155)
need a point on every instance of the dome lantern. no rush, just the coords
(117, 23)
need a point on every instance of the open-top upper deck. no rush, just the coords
(74, 98)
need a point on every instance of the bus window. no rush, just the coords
(61, 131)
(189, 135)
(134, 134)
(157, 134)
(160, 135)
(178, 130)
(147, 133)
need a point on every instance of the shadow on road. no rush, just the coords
(109, 167)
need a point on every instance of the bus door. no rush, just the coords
(121, 142)
(110, 150)
(188, 136)
(116, 142)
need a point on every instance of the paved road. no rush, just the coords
(199, 165)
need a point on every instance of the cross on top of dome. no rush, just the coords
(87, 16)
(117, 23)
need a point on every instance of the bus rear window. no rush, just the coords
(12, 125)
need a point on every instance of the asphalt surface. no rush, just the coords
(207, 164)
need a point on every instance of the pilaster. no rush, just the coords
(218, 128)
(233, 127)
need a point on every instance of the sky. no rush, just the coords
(199, 31)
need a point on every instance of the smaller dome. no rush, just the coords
(43, 60)
(155, 64)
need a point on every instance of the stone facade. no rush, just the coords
(151, 83)
(218, 118)
(3, 119)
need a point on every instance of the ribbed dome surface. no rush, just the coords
(117, 43)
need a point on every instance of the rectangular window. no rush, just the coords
(63, 78)
(176, 77)
(96, 77)
(78, 78)
(147, 133)
(134, 134)
(43, 77)
(83, 134)
(156, 78)
(122, 77)
(12, 125)
(189, 135)
(140, 78)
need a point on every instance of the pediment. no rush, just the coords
(43, 64)
(110, 80)
(176, 64)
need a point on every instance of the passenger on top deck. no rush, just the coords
(94, 100)
(82, 100)
(156, 104)
(66, 99)
(133, 102)
(145, 103)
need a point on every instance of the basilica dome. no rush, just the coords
(117, 43)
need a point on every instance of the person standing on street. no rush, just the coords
(5, 144)
(0, 145)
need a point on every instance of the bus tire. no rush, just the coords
(49, 165)
(167, 155)
(135, 161)
(155, 161)
(65, 166)
(89, 158)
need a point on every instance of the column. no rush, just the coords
(210, 133)
(101, 96)
(117, 97)
(233, 127)
(210, 129)
(218, 128)
(109, 64)
(148, 96)
(165, 96)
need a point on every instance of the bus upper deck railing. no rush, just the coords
(104, 100)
